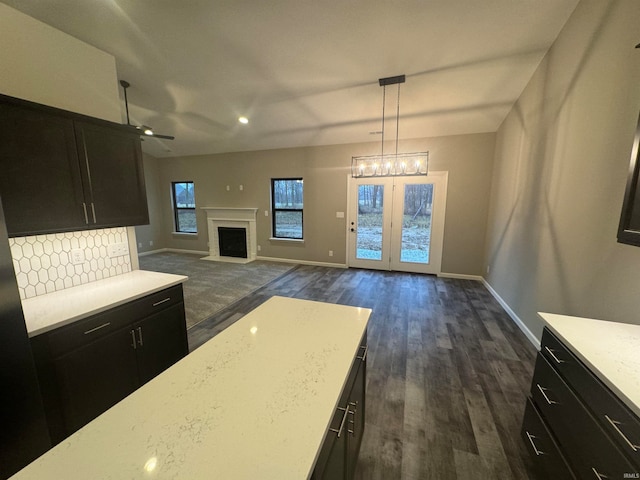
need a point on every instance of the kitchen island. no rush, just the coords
(255, 402)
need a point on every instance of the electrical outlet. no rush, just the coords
(77, 256)
(331, 253)
(259, 248)
(117, 250)
(151, 243)
(139, 244)
(266, 213)
(241, 187)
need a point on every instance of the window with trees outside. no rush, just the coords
(286, 207)
(184, 207)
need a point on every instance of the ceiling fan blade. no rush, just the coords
(165, 137)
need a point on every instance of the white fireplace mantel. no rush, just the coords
(234, 218)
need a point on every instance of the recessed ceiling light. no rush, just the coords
(243, 120)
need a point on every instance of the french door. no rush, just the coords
(397, 223)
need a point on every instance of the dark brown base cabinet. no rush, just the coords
(574, 426)
(87, 367)
(339, 454)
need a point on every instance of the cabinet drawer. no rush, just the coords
(586, 445)
(549, 462)
(622, 424)
(97, 326)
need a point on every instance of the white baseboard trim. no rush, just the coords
(516, 319)
(302, 262)
(461, 276)
(151, 252)
(176, 250)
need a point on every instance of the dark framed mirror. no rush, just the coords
(629, 227)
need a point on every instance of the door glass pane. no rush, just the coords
(369, 225)
(416, 223)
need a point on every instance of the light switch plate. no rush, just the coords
(117, 249)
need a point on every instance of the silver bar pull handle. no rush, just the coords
(344, 419)
(364, 355)
(93, 210)
(97, 328)
(161, 302)
(614, 424)
(86, 217)
(140, 336)
(535, 449)
(599, 476)
(542, 391)
(133, 338)
(553, 355)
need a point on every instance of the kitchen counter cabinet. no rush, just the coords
(339, 454)
(254, 402)
(87, 367)
(580, 419)
(64, 171)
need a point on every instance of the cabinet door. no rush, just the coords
(114, 178)
(95, 377)
(332, 460)
(40, 185)
(356, 418)
(161, 341)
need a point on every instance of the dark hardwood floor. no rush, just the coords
(448, 372)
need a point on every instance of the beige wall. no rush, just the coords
(150, 237)
(467, 158)
(561, 163)
(45, 65)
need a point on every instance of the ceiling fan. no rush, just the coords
(143, 129)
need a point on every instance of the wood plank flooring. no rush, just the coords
(448, 372)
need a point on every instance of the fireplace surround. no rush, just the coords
(225, 217)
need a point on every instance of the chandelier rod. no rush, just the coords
(397, 121)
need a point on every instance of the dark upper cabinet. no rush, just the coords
(40, 185)
(63, 171)
(113, 177)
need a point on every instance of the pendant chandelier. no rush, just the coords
(390, 164)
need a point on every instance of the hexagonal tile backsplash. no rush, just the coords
(43, 262)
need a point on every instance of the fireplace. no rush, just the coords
(227, 228)
(232, 242)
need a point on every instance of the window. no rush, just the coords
(184, 207)
(286, 207)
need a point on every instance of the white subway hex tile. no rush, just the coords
(40, 289)
(16, 251)
(25, 265)
(27, 250)
(22, 279)
(33, 278)
(43, 276)
(35, 263)
(45, 261)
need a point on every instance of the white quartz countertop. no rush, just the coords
(252, 403)
(53, 310)
(610, 349)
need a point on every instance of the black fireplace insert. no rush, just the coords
(232, 242)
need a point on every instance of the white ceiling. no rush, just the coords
(305, 72)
